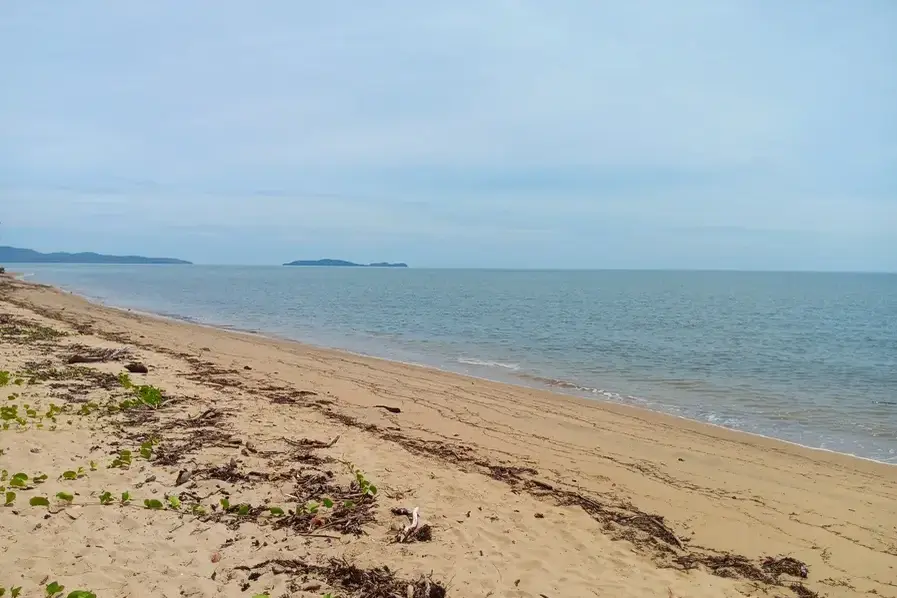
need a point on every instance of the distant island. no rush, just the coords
(16, 255)
(344, 263)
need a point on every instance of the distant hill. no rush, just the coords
(16, 255)
(344, 263)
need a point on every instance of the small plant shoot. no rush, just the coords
(125, 380)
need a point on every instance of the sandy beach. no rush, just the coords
(519, 492)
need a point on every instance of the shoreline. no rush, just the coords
(579, 393)
(579, 493)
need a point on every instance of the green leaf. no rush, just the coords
(125, 498)
(152, 503)
(327, 502)
(261, 596)
(10, 498)
(372, 489)
(70, 475)
(54, 588)
(243, 510)
(106, 498)
(312, 507)
(39, 479)
(276, 511)
(198, 510)
(39, 501)
(65, 496)
(3, 475)
(175, 502)
(81, 594)
(149, 396)
(146, 453)
(225, 504)
(93, 466)
(2, 592)
(14, 592)
(125, 380)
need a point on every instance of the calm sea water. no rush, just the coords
(809, 358)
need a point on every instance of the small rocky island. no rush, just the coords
(344, 264)
(17, 255)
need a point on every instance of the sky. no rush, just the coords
(752, 134)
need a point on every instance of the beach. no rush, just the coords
(525, 493)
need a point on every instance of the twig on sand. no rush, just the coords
(414, 530)
(412, 527)
(660, 524)
(95, 355)
(310, 444)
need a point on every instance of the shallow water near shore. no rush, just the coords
(806, 357)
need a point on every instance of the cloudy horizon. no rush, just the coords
(518, 134)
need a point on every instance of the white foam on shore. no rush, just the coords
(489, 364)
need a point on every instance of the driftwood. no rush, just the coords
(414, 530)
(96, 355)
(306, 443)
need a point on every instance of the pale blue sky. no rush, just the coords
(715, 134)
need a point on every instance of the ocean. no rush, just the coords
(810, 358)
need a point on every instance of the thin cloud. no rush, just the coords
(496, 124)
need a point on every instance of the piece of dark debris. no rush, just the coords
(85, 354)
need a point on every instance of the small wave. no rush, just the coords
(489, 364)
(565, 385)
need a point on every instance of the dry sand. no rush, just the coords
(527, 494)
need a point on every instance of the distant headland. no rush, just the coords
(344, 263)
(17, 255)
